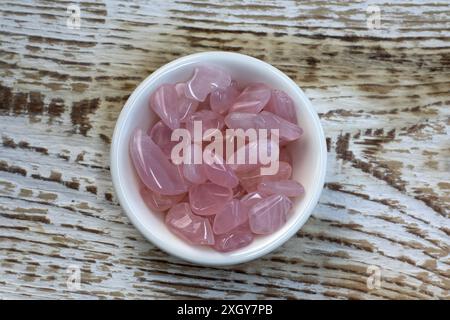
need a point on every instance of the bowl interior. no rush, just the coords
(308, 156)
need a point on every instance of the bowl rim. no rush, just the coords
(199, 260)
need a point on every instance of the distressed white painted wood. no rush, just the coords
(384, 101)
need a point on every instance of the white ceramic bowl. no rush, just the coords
(309, 157)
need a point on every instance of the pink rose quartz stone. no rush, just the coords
(282, 105)
(288, 130)
(289, 188)
(187, 106)
(161, 135)
(269, 214)
(206, 78)
(194, 173)
(250, 179)
(170, 106)
(252, 99)
(242, 120)
(248, 156)
(209, 120)
(233, 240)
(232, 215)
(252, 198)
(219, 172)
(153, 167)
(194, 229)
(264, 120)
(159, 202)
(222, 99)
(208, 198)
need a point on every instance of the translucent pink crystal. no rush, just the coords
(241, 120)
(248, 156)
(219, 172)
(269, 214)
(209, 120)
(153, 167)
(250, 179)
(161, 134)
(206, 78)
(194, 172)
(288, 130)
(264, 120)
(170, 106)
(223, 98)
(186, 106)
(196, 230)
(159, 202)
(208, 198)
(282, 105)
(233, 240)
(232, 215)
(164, 102)
(252, 99)
(289, 188)
(252, 198)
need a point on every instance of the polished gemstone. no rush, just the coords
(231, 216)
(269, 214)
(208, 119)
(241, 120)
(233, 240)
(159, 202)
(250, 179)
(252, 99)
(219, 172)
(208, 198)
(206, 79)
(194, 229)
(186, 106)
(264, 120)
(153, 167)
(170, 106)
(192, 171)
(252, 198)
(289, 188)
(161, 135)
(282, 105)
(253, 155)
(222, 99)
(288, 131)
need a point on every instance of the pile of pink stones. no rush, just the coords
(218, 205)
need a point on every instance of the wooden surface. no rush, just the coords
(384, 101)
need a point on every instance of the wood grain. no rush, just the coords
(384, 101)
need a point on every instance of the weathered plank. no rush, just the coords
(383, 97)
